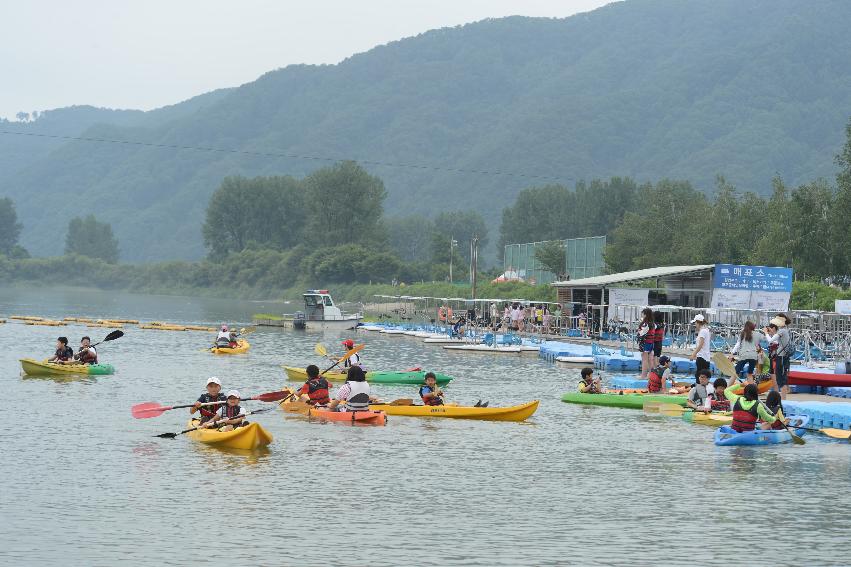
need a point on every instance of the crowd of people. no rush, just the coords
(546, 318)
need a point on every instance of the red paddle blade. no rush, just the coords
(272, 396)
(148, 409)
(414, 369)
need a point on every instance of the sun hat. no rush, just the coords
(213, 380)
(234, 394)
(779, 321)
(699, 318)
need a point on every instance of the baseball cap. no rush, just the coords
(697, 318)
(213, 380)
(234, 394)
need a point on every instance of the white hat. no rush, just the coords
(213, 380)
(234, 394)
(697, 318)
(779, 321)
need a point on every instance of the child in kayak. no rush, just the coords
(429, 392)
(316, 390)
(717, 400)
(232, 415)
(588, 384)
(747, 409)
(87, 353)
(659, 376)
(774, 404)
(698, 395)
(213, 394)
(63, 353)
(353, 360)
(354, 394)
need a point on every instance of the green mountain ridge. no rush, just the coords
(649, 89)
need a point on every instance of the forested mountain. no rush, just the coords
(648, 89)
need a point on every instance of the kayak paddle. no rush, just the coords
(723, 364)
(153, 409)
(204, 426)
(320, 349)
(345, 357)
(111, 337)
(795, 439)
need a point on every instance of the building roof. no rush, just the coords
(635, 276)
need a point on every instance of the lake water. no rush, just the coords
(85, 484)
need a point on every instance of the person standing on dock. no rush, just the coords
(646, 339)
(781, 349)
(701, 354)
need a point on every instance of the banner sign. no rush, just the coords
(753, 278)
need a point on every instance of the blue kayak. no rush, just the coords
(726, 435)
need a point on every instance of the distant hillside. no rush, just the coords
(643, 88)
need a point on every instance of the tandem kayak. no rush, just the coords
(727, 436)
(369, 417)
(241, 347)
(251, 436)
(511, 413)
(44, 368)
(415, 377)
(631, 401)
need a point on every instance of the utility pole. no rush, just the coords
(452, 244)
(474, 263)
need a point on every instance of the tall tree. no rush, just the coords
(344, 205)
(10, 228)
(88, 237)
(552, 257)
(409, 237)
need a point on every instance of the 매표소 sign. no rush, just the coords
(753, 278)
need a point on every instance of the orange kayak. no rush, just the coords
(367, 417)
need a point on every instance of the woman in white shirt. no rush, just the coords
(748, 349)
(701, 353)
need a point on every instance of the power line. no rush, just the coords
(284, 155)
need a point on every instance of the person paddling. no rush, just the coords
(588, 384)
(87, 353)
(429, 392)
(231, 415)
(353, 360)
(63, 353)
(747, 409)
(659, 376)
(354, 394)
(213, 394)
(316, 390)
(698, 395)
(774, 404)
(223, 339)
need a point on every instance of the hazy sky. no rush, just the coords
(145, 54)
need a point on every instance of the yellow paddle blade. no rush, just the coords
(671, 410)
(402, 402)
(651, 407)
(836, 433)
(723, 364)
(320, 349)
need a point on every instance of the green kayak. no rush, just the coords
(414, 377)
(632, 401)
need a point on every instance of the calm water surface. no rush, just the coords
(85, 484)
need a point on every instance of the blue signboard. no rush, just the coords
(753, 278)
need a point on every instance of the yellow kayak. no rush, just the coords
(43, 368)
(241, 347)
(251, 436)
(511, 413)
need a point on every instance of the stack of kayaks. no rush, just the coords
(511, 413)
(414, 377)
(631, 401)
(726, 435)
(251, 436)
(43, 368)
(241, 347)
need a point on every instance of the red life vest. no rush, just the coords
(719, 404)
(90, 356)
(317, 390)
(654, 379)
(432, 401)
(744, 419)
(660, 333)
(776, 424)
(230, 412)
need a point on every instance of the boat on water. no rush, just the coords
(34, 367)
(320, 314)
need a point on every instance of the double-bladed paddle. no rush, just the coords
(110, 337)
(208, 425)
(153, 409)
(345, 357)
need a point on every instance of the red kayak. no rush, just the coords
(367, 417)
(812, 377)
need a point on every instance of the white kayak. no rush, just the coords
(507, 349)
(576, 359)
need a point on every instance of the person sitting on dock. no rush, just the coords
(223, 338)
(213, 394)
(63, 353)
(717, 400)
(429, 392)
(698, 395)
(747, 409)
(774, 404)
(232, 415)
(354, 394)
(353, 360)
(316, 390)
(659, 376)
(87, 353)
(588, 384)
